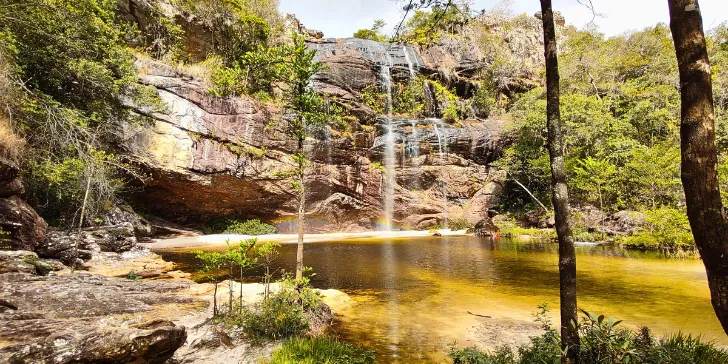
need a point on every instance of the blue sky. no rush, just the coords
(341, 18)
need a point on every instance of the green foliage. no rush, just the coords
(290, 311)
(320, 350)
(450, 101)
(374, 33)
(665, 228)
(41, 268)
(511, 229)
(428, 27)
(240, 227)
(597, 179)
(77, 77)
(255, 71)
(236, 26)
(472, 355)
(602, 341)
(454, 225)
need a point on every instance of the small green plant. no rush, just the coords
(320, 350)
(41, 268)
(378, 166)
(211, 263)
(133, 276)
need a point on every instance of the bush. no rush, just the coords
(666, 228)
(510, 229)
(471, 355)
(235, 226)
(293, 310)
(602, 341)
(320, 350)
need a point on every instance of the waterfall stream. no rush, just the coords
(389, 155)
(409, 62)
(442, 148)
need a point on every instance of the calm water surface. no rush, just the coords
(411, 296)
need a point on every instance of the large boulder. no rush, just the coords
(83, 318)
(23, 228)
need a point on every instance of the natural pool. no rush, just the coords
(412, 295)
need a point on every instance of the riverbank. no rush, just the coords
(131, 305)
(220, 240)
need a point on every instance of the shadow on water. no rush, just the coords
(411, 296)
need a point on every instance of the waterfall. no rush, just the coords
(409, 62)
(389, 155)
(442, 147)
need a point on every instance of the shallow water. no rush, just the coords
(412, 296)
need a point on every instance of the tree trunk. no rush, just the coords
(567, 256)
(80, 223)
(301, 211)
(699, 154)
(214, 301)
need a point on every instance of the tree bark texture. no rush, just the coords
(699, 154)
(560, 193)
(301, 212)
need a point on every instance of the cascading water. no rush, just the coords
(389, 157)
(409, 62)
(442, 148)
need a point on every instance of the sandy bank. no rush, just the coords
(218, 241)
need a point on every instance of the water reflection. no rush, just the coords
(412, 295)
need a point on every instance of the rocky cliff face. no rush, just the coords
(210, 157)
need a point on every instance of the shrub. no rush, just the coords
(602, 341)
(293, 310)
(241, 227)
(510, 229)
(471, 355)
(320, 350)
(666, 228)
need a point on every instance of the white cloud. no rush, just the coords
(341, 18)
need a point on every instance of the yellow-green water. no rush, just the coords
(412, 296)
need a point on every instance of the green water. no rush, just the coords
(411, 296)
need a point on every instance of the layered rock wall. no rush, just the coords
(211, 157)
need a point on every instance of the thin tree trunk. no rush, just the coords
(699, 154)
(531, 194)
(80, 223)
(267, 283)
(214, 301)
(301, 212)
(567, 256)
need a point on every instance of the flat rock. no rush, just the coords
(81, 317)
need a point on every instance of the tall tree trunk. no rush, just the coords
(301, 211)
(699, 154)
(567, 256)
